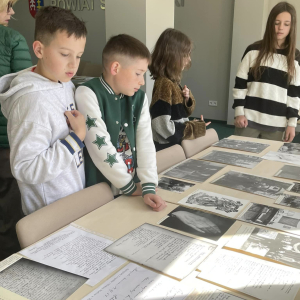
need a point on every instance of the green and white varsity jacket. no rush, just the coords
(105, 114)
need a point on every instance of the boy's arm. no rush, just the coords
(33, 159)
(98, 143)
(146, 154)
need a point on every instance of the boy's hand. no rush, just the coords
(138, 191)
(186, 93)
(206, 124)
(76, 122)
(241, 122)
(155, 202)
(289, 134)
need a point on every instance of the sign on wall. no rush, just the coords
(34, 6)
(78, 5)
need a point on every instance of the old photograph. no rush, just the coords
(289, 200)
(173, 185)
(295, 188)
(291, 148)
(235, 159)
(282, 157)
(289, 172)
(194, 170)
(197, 222)
(273, 217)
(264, 242)
(253, 184)
(217, 203)
(241, 145)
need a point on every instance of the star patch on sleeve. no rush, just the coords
(99, 141)
(111, 159)
(90, 122)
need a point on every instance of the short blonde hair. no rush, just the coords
(4, 3)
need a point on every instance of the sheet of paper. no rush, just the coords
(273, 217)
(289, 172)
(169, 252)
(197, 222)
(249, 183)
(282, 157)
(281, 247)
(252, 276)
(9, 261)
(76, 251)
(194, 170)
(35, 281)
(231, 158)
(241, 145)
(289, 200)
(205, 290)
(136, 282)
(8, 295)
(217, 203)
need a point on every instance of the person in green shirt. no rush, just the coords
(14, 57)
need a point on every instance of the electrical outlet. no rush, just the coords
(212, 103)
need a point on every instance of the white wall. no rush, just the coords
(95, 23)
(156, 10)
(209, 24)
(245, 32)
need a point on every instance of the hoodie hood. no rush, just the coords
(15, 85)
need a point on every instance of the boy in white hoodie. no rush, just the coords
(45, 131)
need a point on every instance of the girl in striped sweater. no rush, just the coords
(267, 87)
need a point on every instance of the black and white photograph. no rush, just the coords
(173, 185)
(289, 172)
(216, 203)
(273, 217)
(248, 183)
(282, 157)
(194, 170)
(291, 148)
(241, 145)
(295, 188)
(289, 200)
(235, 159)
(197, 222)
(280, 247)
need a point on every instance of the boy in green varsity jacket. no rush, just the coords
(120, 149)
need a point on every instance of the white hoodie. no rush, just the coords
(46, 157)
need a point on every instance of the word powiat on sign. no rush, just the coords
(78, 4)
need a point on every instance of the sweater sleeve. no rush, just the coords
(240, 88)
(293, 98)
(20, 56)
(146, 153)
(34, 158)
(101, 150)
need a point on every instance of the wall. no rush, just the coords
(209, 25)
(245, 32)
(95, 23)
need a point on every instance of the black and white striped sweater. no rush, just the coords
(270, 103)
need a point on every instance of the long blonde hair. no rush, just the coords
(267, 45)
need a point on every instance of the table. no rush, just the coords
(124, 214)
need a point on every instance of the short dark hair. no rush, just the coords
(124, 45)
(51, 19)
(170, 50)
